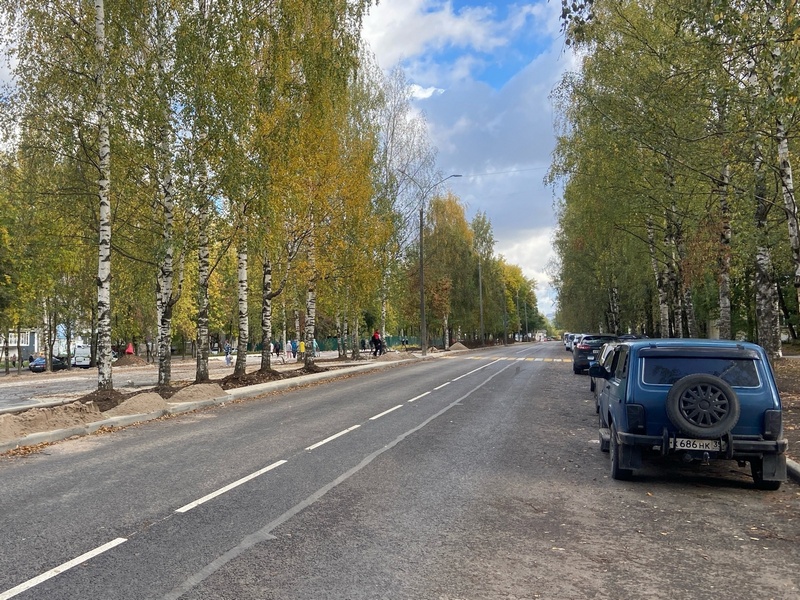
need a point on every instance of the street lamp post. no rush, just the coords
(423, 327)
(480, 297)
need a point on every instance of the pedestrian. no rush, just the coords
(316, 348)
(228, 350)
(376, 343)
(14, 360)
(294, 348)
(301, 348)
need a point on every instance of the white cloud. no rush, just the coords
(402, 29)
(499, 139)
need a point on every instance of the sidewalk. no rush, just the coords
(339, 369)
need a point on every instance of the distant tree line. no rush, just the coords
(676, 141)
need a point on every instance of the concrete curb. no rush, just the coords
(793, 470)
(173, 408)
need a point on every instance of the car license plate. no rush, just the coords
(703, 445)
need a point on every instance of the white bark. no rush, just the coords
(725, 331)
(166, 295)
(663, 303)
(104, 356)
(691, 320)
(244, 321)
(203, 276)
(780, 69)
(789, 201)
(767, 308)
(266, 312)
(311, 301)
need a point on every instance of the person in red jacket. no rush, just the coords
(377, 343)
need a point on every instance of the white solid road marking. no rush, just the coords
(420, 396)
(441, 386)
(228, 487)
(386, 412)
(333, 437)
(476, 370)
(60, 569)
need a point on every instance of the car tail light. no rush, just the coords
(635, 414)
(773, 424)
(584, 347)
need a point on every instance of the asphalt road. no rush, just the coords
(473, 476)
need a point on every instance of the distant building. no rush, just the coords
(28, 343)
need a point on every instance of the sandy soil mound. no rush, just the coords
(47, 419)
(390, 356)
(130, 360)
(194, 393)
(458, 346)
(138, 405)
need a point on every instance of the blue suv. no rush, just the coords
(701, 399)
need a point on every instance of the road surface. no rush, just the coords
(472, 476)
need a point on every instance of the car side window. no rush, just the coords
(620, 363)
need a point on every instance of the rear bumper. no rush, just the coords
(732, 446)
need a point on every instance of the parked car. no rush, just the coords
(39, 365)
(567, 341)
(587, 348)
(571, 339)
(701, 400)
(82, 356)
(603, 358)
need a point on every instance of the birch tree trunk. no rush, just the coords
(613, 310)
(311, 301)
(691, 320)
(723, 186)
(767, 309)
(355, 341)
(203, 275)
(781, 70)
(673, 277)
(789, 201)
(663, 298)
(104, 357)
(166, 298)
(384, 300)
(339, 333)
(240, 368)
(266, 312)
(202, 9)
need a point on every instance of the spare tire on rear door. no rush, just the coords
(703, 406)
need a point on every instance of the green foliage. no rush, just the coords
(660, 125)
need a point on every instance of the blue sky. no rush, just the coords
(483, 72)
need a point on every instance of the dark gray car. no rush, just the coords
(587, 350)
